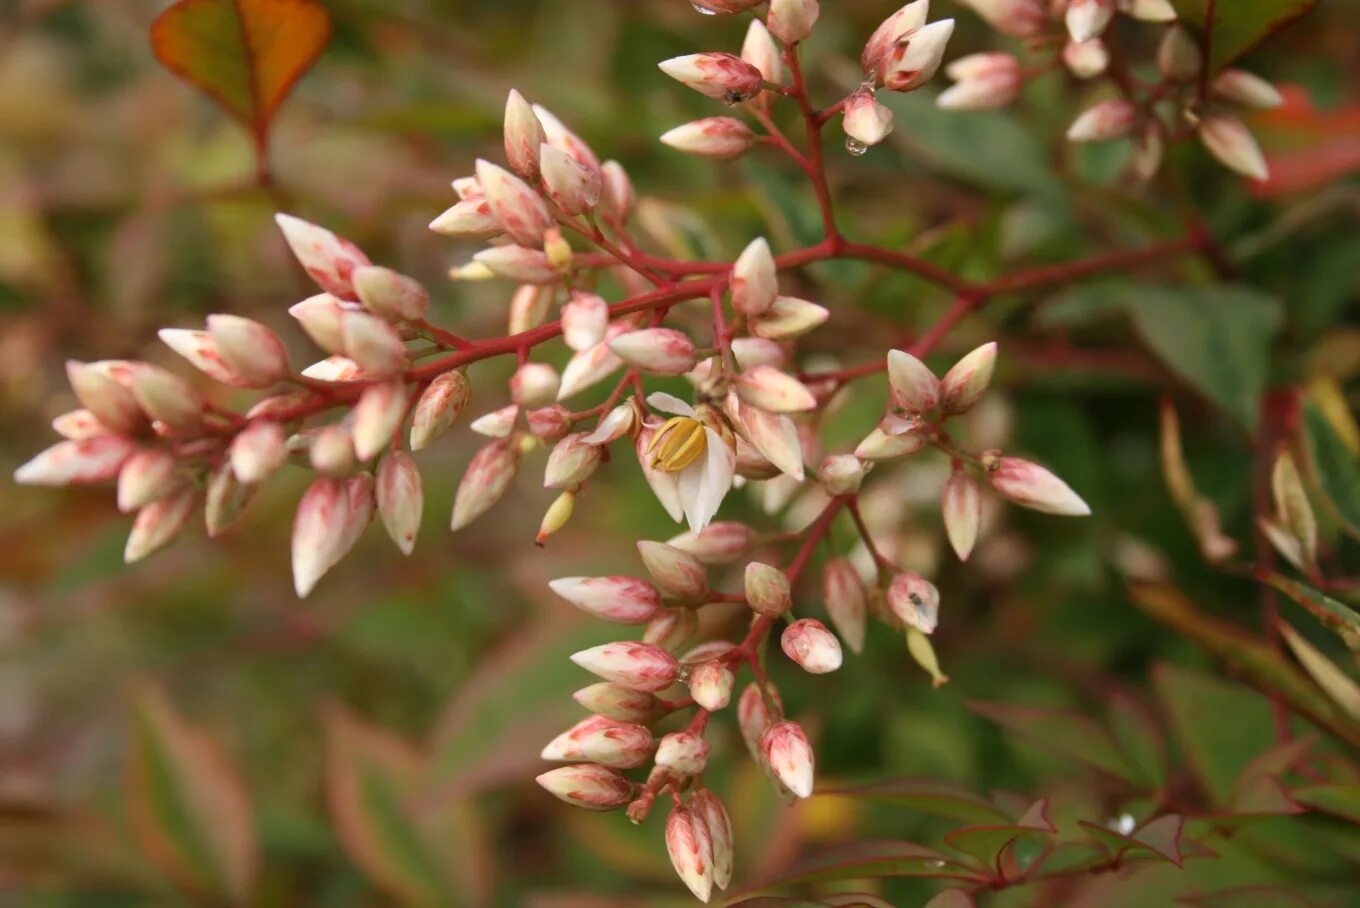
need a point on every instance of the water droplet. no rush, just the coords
(855, 147)
(703, 10)
(935, 864)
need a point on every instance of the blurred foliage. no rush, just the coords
(408, 699)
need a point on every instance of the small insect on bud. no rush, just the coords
(438, 407)
(915, 601)
(518, 209)
(865, 120)
(658, 351)
(616, 702)
(981, 82)
(401, 498)
(787, 752)
(767, 589)
(725, 77)
(721, 138)
(808, 643)
(1229, 140)
(148, 475)
(571, 462)
(676, 573)
(167, 398)
(1031, 486)
(487, 477)
(249, 349)
(1106, 120)
(1088, 18)
(372, 342)
(523, 135)
(841, 474)
(534, 385)
(718, 543)
(912, 62)
(574, 188)
(619, 746)
(754, 717)
(1087, 59)
(791, 21)
(708, 808)
(682, 753)
(328, 259)
(640, 666)
(773, 391)
(923, 652)
(690, 847)
(588, 785)
(258, 450)
(710, 684)
(843, 592)
(390, 294)
(623, 600)
(961, 505)
(963, 385)
(1243, 87)
(157, 524)
(377, 417)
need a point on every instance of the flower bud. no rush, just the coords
(78, 425)
(401, 498)
(534, 385)
(523, 135)
(754, 285)
(519, 263)
(767, 589)
(469, 217)
(573, 188)
(590, 367)
(721, 138)
(708, 809)
(561, 137)
(710, 684)
(1087, 59)
(328, 259)
(725, 77)
(529, 306)
(1107, 120)
(225, 500)
(773, 435)
(1291, 504)
(843, 592)
(983, 81)
(571, 462)
(1017, 18)
(754, 717)
(912, 62)
(915, 601)
(791, 21)
(841, 474)
(556, 517)
(518, 209)
(258, 450)
(1148, 150)
(318, 532)
(724, 7)
(158, 523)
(880, 446)
(112, 404)
(923, 653)
(249, 349)
(358, 491)
(167, 398)
(865, 120)
(961, 505)
(623, 600)
(691, 851)
(585, 317)
(619, 746)
(718, 543)
(1031, 486)
(759, 49)
(332, 450)
(773, 391)
(874, 58)
(658, 351)
(199, 349)
(549, 423)
(615, 424)
(676, 573)
(496, 424)
(616, 702)
(808, 643)
(587, 785)
(617, 197)
(640, 666)
(1243, 87)
(671, 628)
(963, 385)
(914, 387)
(787, 318)
(390, 294)
(682, 753)
(1088, 18)
(1229, 140)
(438, 407)
(146, 476)
(377, 417)
(1178, 55)
(320, 318)
(487, 477)
(372, 343)
(1150, 10)
(567, 745)
(789, 755)
(759, 351)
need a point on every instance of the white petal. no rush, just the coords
(669, 403)
(704, 485)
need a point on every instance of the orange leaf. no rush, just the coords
(246, 54)
(1307, 147)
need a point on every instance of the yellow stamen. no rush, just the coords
(678, 443)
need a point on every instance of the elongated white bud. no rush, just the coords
(791, 21)
(617, 198)
(659, 351)
(561, 137)
(786, 318)
(874, 60)
(722, 542)
(620, 746)
(615, 424)
(708, 808)
(690, 847)
(774, 391)
(1178, 55)
(865, 120)
(613, 701)
(320, 317)
(258, 450)
(1245, 88)
(332, 450)
(808, 643)
(400, 498)
(318, 532)
(148, 475)
(843, 592)
(1017, 18)
(167, 398)
(754, 283)
(754, 717)
(519, 263)
(640, 666)
(438, 408)
(226, 499)
(328, 259)
(914, 387)
(520, 211)
(772, 434)
(529, 306)
(717, 75)
(487, 477)
(469, 217)
(841, 474)
(571, 462)
(1291, 504)
(249, 349)
(676, 573)
(390, 294)
(721, 138)
(585, 317)
(983, 81)
(1032, 486)
(588, 785)
(157, 524)
(915, 601)
(372, 343)
(201, 351)
(496, 424)
(682, 753)
(759, 49)
(113, 404)
(787, 752)
(377, 417)
(1107, 120)
(534, 385)
(1229, 140)
(623, 600)
(767, 589)
(963, 385)
(523, 135)
(574, 188)
(710, 684)
(590, 367)
(912, 62)
(1088, 18)
(961, 505)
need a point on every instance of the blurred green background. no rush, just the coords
(125, 206)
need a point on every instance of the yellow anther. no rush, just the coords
(678, 443)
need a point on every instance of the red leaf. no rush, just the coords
(1306, 148)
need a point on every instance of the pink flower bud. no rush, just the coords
(250, 350)
(710, 684)
(523, 135)
(658, 351)
(226, 499)
(469, 217)
(377, 417)
(760, 351)
(962, 509)
(78, 425)
(787, 318)
(1179, 58)
(843, 592)
(567, 745)
(590, 367)
(874, 58)
(615, 424)
(529, 306)
(619, 746)
(1242, 87)
(865, 120)
(789, 755)
(754, 717)
(438, 407)
(721, 138)
(332, 450)
(983, 81)
(618, 703)
(573, 188)
(773, 391)
(496, 424)
(318, 529)
(534, 385)
(487, 477)
(157, 524)
(767, 589)
(520, 211)
(718, 543)
(372, 343)
(1087, 59)
(617, 196)
(320, 317)
(623, 600)
(519, 263)
(1107, 120)
(682, 753)
(640, 666)
(549, 423)
(709, 810)
(725, 77)
(585, 317)
(691, 851)
(201, 352)
(258, 450)
(167, 398)
(808, 643)
(772, 434)
(707, 651)
(1229, 140)
(389, 294)
(880, 446)
(754, 285)
(112, 403)
(914, 387)
(148, 475)
(912, 61)
(1088, 18)
(841, 474)
(328, 259)
(759, 49)
(587, 785)
(358, 490)
(561, 137)
(791, 21)
(1031, 486)
(915, 601)
(963, 385)
(401, 498)
(1017, 18)
(671, 628)
(676, 573)
(571, 462)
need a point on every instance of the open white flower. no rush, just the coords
(689, 459)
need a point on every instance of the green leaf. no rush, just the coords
(1024, 841)
(1337, 616)
(1247, 897)
(1139, 739)
(951, 898)
(1160, 839)
(1217, 338)
(1341, 800)
(1062, 732)
(873, 860)
(1237, 26)
(1337, 469)
(930, 796)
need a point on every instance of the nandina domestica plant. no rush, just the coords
(702, 378)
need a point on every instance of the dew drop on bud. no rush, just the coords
(855, 147)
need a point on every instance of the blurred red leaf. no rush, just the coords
(992, 845)
(1306, 148)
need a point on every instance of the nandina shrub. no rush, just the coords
(768, 374)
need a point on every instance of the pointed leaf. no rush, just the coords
(1341, 800)
(1062, 732)
(932, 796)
(1339, 617)
(872, 860)
(1336, 466)
(1236, 26)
